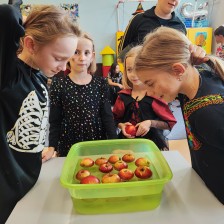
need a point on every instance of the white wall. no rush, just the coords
(99, 17)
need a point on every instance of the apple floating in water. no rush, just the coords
(128, 158)
(100, 161)
(119, 165)
(143, 172)
(142, 162)
(126, 174)
(105, 168)
(81, 174)
(86, 162)
(113, 159)
(111, 178)
(90, 180)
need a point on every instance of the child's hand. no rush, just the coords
(120, 86)
(48, 153)
(198, 55)
(143, 127)
(122, 127)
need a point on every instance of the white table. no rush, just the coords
(185, 200)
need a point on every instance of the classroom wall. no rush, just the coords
(100, 19)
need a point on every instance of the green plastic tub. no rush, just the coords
(135, 195)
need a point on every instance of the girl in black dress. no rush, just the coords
(115, 81)
(80, 108)
(134, 107)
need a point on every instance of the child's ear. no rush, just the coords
(29, 44)
(178, 70)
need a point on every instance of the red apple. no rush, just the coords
(131, 130)
(100, 161)
(125, 174)
(143, 172)
(119, 165)
(105, 168)
(86, 162)
(81, 174)
(142, 162)
(113, 159)
(111, 178)
(128, 158)
(90, 180)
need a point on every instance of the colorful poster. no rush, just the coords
(72, 9)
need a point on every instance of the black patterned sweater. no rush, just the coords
(204, 122)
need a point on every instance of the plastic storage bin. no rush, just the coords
(135, 195)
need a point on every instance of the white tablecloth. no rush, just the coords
(185, 200)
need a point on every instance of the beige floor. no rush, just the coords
(181, 146)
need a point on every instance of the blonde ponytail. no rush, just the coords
(217, 65)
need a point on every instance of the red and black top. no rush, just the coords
(128, 109)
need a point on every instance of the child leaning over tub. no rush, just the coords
(201, 95)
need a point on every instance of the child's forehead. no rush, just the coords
(84, 44)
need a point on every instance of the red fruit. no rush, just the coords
(113, 159)
(119, 165)
(111, 178)
(131, 130)
(106, 168)
(143, 172)
(81, 174)
(100, 161)
(90, 180)
(128, 158)
(142, 162)
(87, 162)
(125, 174)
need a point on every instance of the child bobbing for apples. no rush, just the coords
(133, 107)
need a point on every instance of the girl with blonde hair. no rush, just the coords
(164, 65)
(29, 53)
(80, 108)
(134, 107)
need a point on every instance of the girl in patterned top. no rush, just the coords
(168, 71)
(80, 108)
(134, 107)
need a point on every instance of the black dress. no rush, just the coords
(128, 109)
(79, 113)
(117, 78)
(23, 114)
(204, 121)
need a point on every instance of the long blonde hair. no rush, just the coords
(166, 46)
(46, 23)
(131, 53)
(92, 66)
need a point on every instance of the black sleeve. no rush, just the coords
(11, 30)
(56, 111)
(130, 32)
(106, 112)
(208, 126)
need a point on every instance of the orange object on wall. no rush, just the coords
(201, 36)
